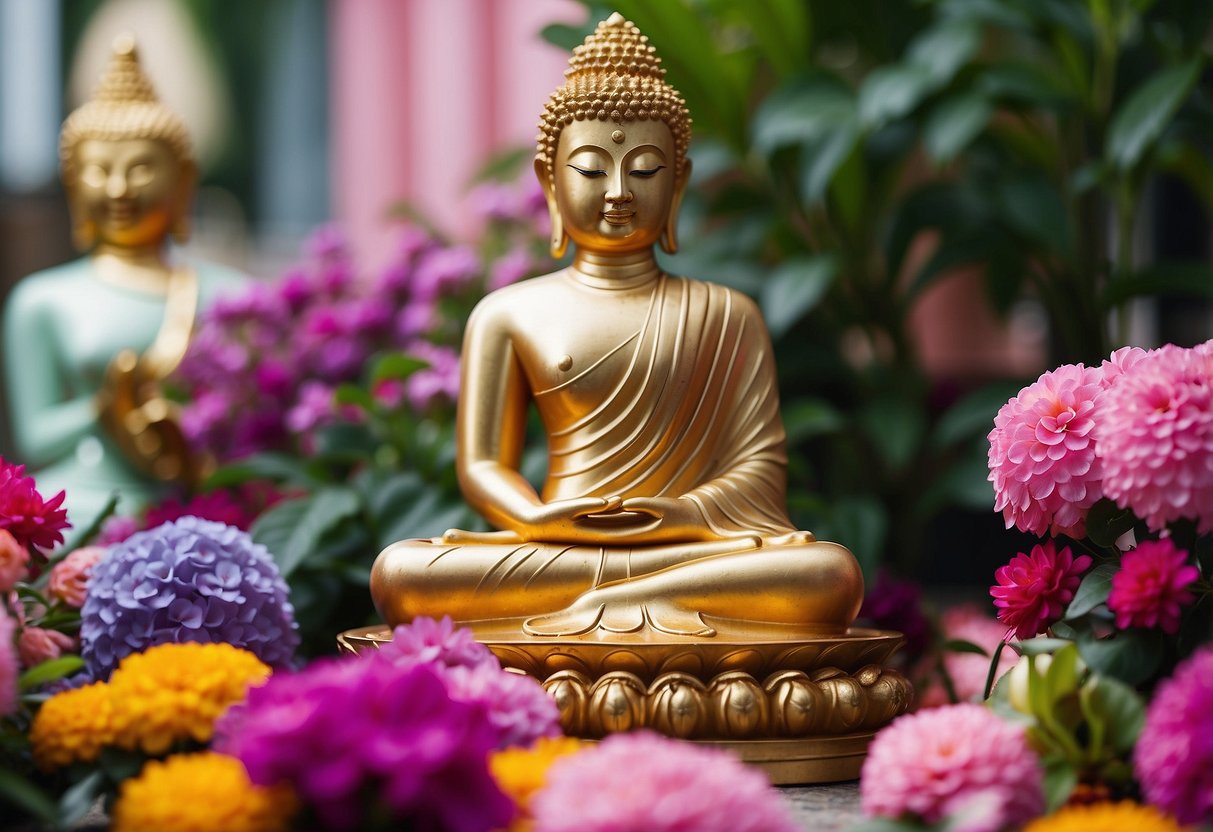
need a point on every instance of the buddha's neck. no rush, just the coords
(143, 268)
(615, 271)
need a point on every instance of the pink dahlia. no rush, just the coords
(69, 577)
(10, 669)
(1042, 453)
(37, 524)
(968, 671)
(1156, 437)
(642, 781)
(14, 562)
(1151, 586)
(1174, 756)
(952, 761)
(38, 644)
(1034, 589)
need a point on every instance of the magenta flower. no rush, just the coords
(894, 604)
(1174, 754)
(1042, 453)
(946, 761)
(1156, 437)
(36, 524)
(426, 641)
(10, 668)
(364, 738)
(1151, 586)
(1034, 589)
(641, 781)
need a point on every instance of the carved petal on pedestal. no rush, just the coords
(889, 696)
(571, 690)
(739, 706)
(678, 706)
(796, 704)
(617, 703)
(844, 697)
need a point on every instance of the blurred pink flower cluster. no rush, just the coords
(1138, 429)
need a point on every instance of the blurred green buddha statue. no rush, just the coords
(87, 344)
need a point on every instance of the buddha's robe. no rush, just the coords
(695, 414)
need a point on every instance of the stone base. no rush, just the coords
(803, 708)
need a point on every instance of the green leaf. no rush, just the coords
(397, 366)
(863, 523)
(16, 791)
(944, 49)
(1040, 646)
(292, 529)
(973, 414)
(806, 418)
(385, 497)
(825, 156)
(76, 801)
(801, 110)
(565, 36)
(1033, 206)
(426, 516)
(895, 426)
(276, 467)
(890, 92)
(352, 394)
(1027, 84)
(1132, 656)
(1145, 114)
(1093, 591)
(1121, 709)
(345, 442)
(49, 671)
(957, 645)
(1061, 679)
(1187, 279)
(1060, 779)
(954, 123)
(1106, 522)
(885, 825)
(794, 289)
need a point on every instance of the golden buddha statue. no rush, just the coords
(659, 542)
(86, 344)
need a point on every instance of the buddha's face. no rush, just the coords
(131, 191)
(615, 184)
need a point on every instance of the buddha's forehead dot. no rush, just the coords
(618, 137)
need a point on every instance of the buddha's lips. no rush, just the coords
(618, 217)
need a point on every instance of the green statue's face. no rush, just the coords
(129, 190)
(615, 183)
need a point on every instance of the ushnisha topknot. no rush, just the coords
(614, 75)
(124, 106)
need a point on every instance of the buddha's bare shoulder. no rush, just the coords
(519, 300)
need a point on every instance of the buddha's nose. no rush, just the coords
(116, 185)
(618, 197)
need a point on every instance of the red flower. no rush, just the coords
(1151, 586)
(1033, 590)
(37, 524)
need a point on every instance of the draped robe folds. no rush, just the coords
(696, 414)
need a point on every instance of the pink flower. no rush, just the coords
(1151, 586)
(642, 781)
(1174, 754)
(14, 562)
(9, 668)
(117, 529)
(968, 671)
(1042, 453)
(36, 523)
(1156, 437)
(931, 764)
(1033, 590)
(69, 577)
(36, 645)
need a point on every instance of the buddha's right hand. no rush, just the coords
(558, 520)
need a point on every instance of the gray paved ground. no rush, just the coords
(825, 808)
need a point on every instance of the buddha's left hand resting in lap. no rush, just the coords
(663, 506)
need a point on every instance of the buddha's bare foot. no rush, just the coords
(462, 536)
(593, 611)
(791, 539)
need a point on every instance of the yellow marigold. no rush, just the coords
(1105, 817)
(197, 793)
(72, 727)
(520, 772)
(175, 692)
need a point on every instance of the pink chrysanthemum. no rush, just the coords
(1034, 589)
(1151, 586)
(932, 764)
(69, 577)
(10, 667)
(968, 671)
(14, 562)
(37, 524)
(641, 782)
(1042, 453)
(1155, 437)
(1174, 756)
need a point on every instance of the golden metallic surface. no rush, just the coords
(130, 176)
(655, 578)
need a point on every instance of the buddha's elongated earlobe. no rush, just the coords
(185, 197)
(559, 241)
(669, 236)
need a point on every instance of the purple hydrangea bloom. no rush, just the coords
(188, 580)
(364, 737)
(1174, 755)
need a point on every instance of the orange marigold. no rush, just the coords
(72, 727)
(1105, 817)
(200, 793)
(521, 772)
(174, 692)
